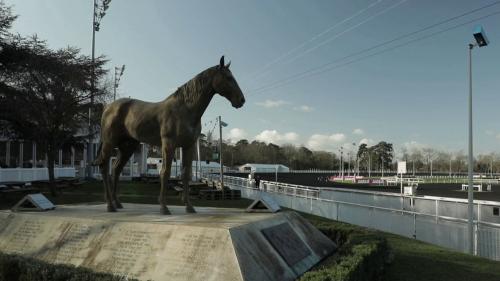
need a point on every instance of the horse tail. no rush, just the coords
(98, 161)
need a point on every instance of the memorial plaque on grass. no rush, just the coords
(287, 243)
(34, 202)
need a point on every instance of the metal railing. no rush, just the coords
(33, 174)
(432, 219)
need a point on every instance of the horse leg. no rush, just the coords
(187, 163)
(167, 151)
(124, 153)
(104, 156)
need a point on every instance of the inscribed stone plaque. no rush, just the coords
(287, 243)
(41, 201)
(32, 202)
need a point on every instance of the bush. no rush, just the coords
(361, 255)
(15, 267)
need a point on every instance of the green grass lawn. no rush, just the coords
(413, 260)
(136, 192)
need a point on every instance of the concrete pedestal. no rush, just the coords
(214, 244)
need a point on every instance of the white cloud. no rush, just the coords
(497, 136)
(358, 131)
(366, 141)
(489, 132)
(271, 103)
(273, 136)
(413, 145)
(304, 108)
(325, 142)
(236, 134)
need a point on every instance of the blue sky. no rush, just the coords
(414, 95)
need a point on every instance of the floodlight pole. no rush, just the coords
(90, 152)
(450, 167)
(104, 5)
(491, 166)
(342, 162)
(220, 156)
(349, 164)
(470, 187)
(118, 75)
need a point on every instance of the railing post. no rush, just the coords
(476, 238)
(437, 210)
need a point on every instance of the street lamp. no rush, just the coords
(341, 162)
(100, 7)
(481, 41)
(369, 163)
(349, 154)
(356, 164)
(221, 124)
(118, 74)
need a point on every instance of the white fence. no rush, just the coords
(33, 174)
(440, 221)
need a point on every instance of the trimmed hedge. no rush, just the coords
(361, 256)
(18, 268)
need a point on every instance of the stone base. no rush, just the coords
(214, 244)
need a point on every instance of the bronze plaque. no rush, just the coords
(287, 243)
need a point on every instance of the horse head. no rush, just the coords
(225, 85)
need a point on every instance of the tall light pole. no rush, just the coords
(100, 7)
(481, 41)
(349, 164)
(369, 164)
(450, 167)
(491, 166)
(342, 162)
(221, 124)
(118, 74)
(354, 151)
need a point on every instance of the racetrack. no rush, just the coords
(452, 190)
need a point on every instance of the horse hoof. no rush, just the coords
(111, 209)
(165, 211)
(190, 209)
(118, 205)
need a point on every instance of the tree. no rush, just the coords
(6, 19)
(385, 151)
(45, 94)
(363, 155)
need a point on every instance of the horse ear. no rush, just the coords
(228, 64)
(221, 62)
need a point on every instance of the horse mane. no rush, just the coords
(191, 91)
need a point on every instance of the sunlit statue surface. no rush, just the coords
(174, 122)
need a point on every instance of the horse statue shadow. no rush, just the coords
(171, 123)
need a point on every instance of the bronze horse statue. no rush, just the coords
(171, 123)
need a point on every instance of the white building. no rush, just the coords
(154, 167)
(263, 168)
(24, 161)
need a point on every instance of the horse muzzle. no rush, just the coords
(238, 103)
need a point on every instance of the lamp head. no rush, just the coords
(480, 36)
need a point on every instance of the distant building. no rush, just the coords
(263, 168)
(25, 161)
(154, 167)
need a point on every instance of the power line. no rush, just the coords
(345, 31)
(266, 67)
(326, 67)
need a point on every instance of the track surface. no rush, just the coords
(436, 189)
(320, 180)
